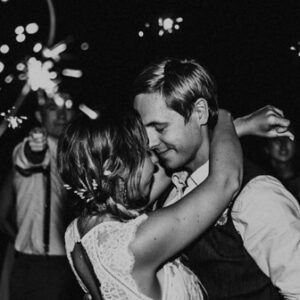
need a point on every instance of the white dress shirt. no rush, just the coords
(267, 217)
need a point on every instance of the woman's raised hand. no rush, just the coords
(268, 121)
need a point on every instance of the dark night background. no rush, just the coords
(245, 44)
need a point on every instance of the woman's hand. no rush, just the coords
(267, 121)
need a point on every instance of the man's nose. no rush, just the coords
(153, 138)
(61, 114)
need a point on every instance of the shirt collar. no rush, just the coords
(199, 175)
(195, 178)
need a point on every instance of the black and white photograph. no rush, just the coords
(149, 150)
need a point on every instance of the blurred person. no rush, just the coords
(253, 250)
(40, 269)
(7, 227)
(281, 160)
(118, 248)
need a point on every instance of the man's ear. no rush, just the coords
(201, 110)
(38, 116)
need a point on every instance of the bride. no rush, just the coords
(118, 248)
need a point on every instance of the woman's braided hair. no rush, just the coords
(101, 161)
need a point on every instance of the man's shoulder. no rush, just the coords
(262, 182)
(263, 192)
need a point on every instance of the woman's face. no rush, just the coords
(281, 149)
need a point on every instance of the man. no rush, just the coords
(40, 270)
(253, 251)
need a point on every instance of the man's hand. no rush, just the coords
(38, 139)
(267, 121)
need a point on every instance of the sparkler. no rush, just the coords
(39, 71)
(13, 120)
(162, 26)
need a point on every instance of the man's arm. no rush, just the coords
(267, 217)
(7, 204)
(32, 152)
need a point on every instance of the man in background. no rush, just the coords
(40, 269)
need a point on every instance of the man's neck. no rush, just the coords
(202, 155)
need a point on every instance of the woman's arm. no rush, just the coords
(267, 121)
(167, 231)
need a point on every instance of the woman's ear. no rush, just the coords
(201, 110)
(38, 116)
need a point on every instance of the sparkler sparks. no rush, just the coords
(41, 71)
(12, 120)
(162, 26)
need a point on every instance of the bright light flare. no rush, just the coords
(13, 121)
(37, 47)
(4, 49)
(55, 51)
(88, 111)
(168, 24)
(69, 104)
(9, 78)
(72, 73)
(20, 67)
(1, 66)
(161, 33)
(59, 100)
(20, 38)
(39, 76)
(19, 29)
(84, 46)
(32, 28)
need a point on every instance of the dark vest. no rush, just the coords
(225, 268)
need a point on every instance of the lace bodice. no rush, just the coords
(107, 246)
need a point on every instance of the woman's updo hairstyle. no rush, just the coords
(101, 161)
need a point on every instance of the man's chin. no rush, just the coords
(169, 164)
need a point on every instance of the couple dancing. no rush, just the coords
(240, 244)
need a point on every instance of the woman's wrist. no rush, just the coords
(242, 126)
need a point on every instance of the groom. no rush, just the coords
(253, 250)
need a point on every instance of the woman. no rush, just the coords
(117, 248)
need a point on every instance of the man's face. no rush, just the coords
(55, 118)
(176, 143)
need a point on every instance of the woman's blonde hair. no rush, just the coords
(101, 161)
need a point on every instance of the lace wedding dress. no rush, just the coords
(107, 247)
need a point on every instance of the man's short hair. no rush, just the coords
(181, 83)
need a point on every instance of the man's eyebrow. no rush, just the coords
(155, 123)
